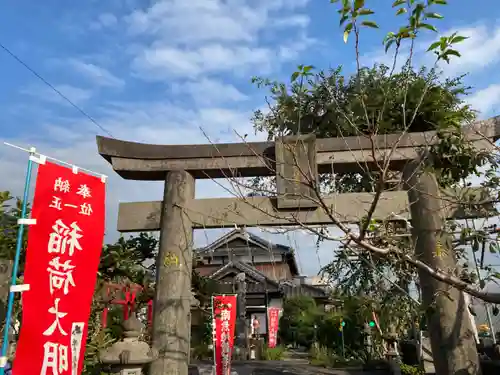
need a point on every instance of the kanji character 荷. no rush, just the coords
(60, 275)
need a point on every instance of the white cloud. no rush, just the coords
(486, 101)
(162, 62)
(479, 51)
(97, 74)
(76, 94)
(208, 91)
(104, 21)
(198, 40)
(190, 39)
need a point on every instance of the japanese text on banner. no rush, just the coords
(62, 258)
(273, 317)
(224, 320)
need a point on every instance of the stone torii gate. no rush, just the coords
(179, 212)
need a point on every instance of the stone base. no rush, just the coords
(204, 370)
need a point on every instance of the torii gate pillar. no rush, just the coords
(172, 302)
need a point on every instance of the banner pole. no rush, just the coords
(19, 244)
(213, 334)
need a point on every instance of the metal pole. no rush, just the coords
(19, 243)
(343, 345)
(486, 305)
(490, 322)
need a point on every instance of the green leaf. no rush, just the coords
(427, 26)
(370, 24)
(433, 46)
(453, 53)
(398, 2)
(365, 12)
(493, 247)
(307, 68)
(401, 11)
(343, 19)
(434, 15)
(294, 77)
(358, 4)
(347, 31)
(458, 39)
(440, 2)
(390, 35)
(389, 44)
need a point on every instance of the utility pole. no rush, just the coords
(452, 339)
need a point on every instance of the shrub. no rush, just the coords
(273, 354)
(201, 352)
(411, 370)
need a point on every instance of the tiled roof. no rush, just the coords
(251, 239)
(265, 284)
(245, 268)
(246, 236)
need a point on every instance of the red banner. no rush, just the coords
(273, 319)
(64, 247)
(224, 320)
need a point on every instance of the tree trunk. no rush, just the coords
(172, 303)
(452, 339)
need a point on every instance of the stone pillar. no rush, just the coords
(171, 309)
(392, 352)
(130, 355)
(367, 330)
(451, 335)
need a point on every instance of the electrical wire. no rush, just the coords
(53, 88)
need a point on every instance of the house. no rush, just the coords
(271, 272)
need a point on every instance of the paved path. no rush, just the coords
(278, 368)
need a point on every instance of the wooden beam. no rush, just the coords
(138, 161)
(262, 211)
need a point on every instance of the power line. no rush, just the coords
(69, 101)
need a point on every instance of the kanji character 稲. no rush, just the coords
(60, 275)
(86, 209)
(64, 238)
(62, 185)
(56, 324)
(84, 191)
(55, 359)
(56, 203)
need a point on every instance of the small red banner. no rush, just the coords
(224, 320)
(273, 318)
(64, 247)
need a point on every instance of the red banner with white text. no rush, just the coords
(273, 318)
(64, 248)
(224, 320)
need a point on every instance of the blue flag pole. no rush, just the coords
(15, 268)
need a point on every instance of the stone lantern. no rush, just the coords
(129, 355)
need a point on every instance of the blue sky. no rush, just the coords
(157, 71)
